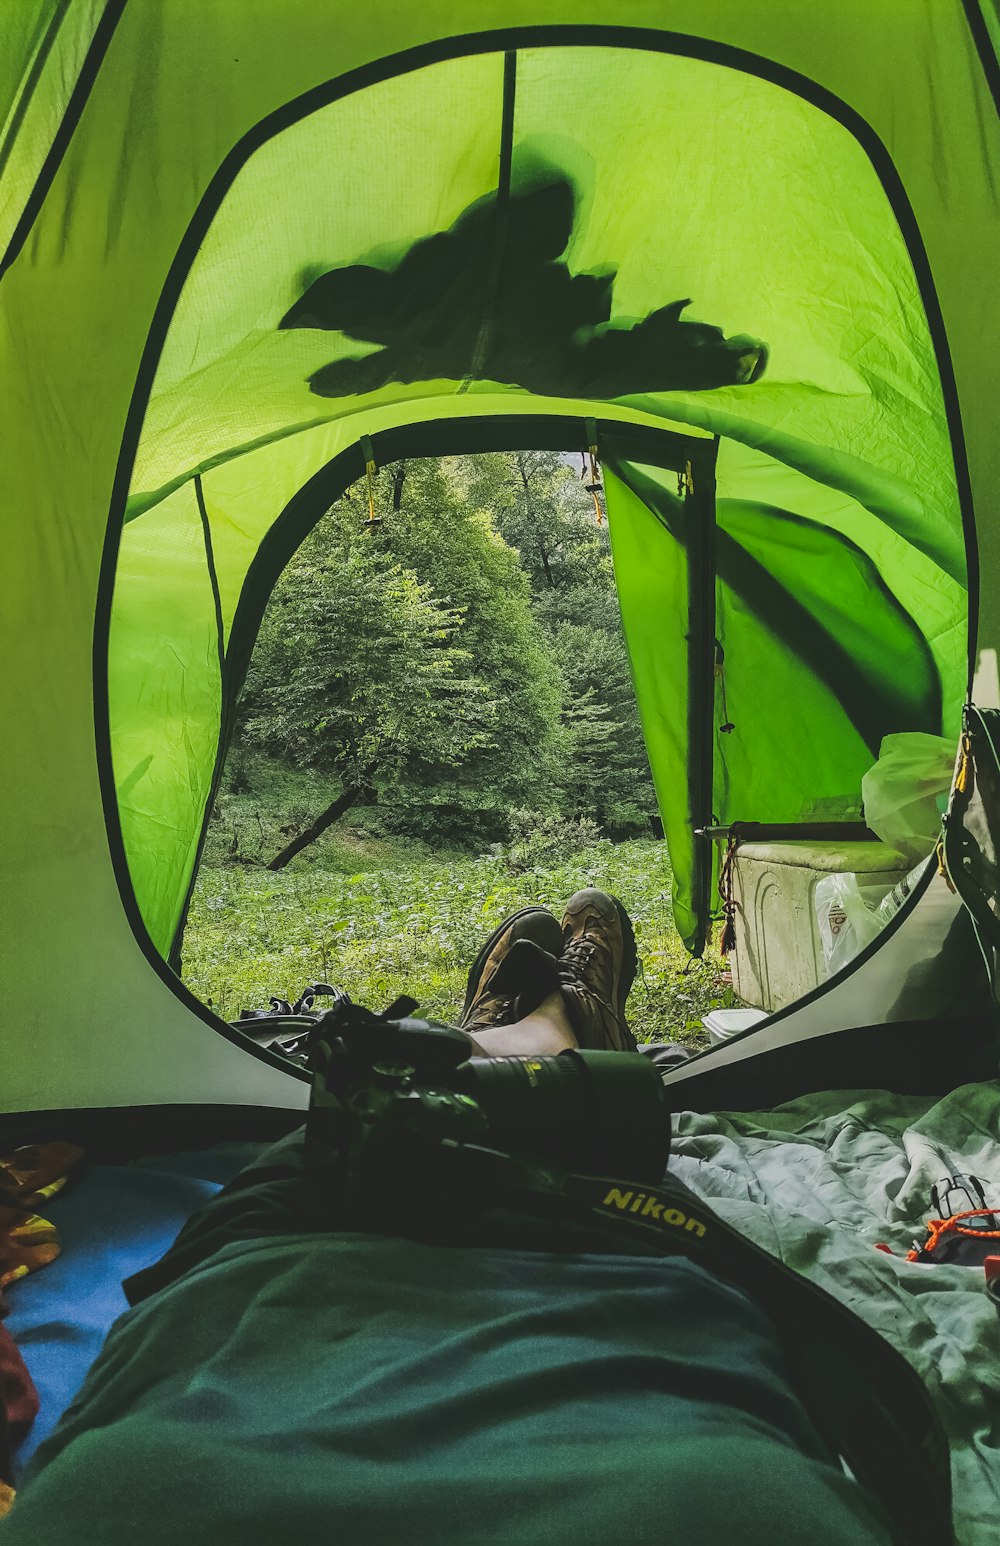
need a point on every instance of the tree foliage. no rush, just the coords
(549, 515)
(459, 660)
(357, 673)
(455, 547)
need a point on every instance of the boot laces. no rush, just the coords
(584, 964)
(492, 1011)
(579, 953)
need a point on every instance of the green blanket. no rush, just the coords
(348, 1388)
(824, 1179)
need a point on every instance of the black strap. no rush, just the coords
(969, 855)
(869, 1403)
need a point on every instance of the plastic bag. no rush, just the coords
(846, 920)
(905, 792)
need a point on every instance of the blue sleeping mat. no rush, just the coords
(115, 1220)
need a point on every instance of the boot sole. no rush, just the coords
(472, 982)
(630, 961)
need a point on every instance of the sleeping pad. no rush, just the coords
(281, 1380)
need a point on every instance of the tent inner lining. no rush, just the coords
(385, 69)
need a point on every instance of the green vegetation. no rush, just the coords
(461, 660)
(438, 727)
(383, 915)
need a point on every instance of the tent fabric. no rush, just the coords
(764, 161)
(815, 657)
(281, 331)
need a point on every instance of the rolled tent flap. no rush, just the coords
(815, 659)
(165, 780)
(651, 572)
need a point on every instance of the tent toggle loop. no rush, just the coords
(370, 470)
(594, 486)
(727, 727)
(727, 896)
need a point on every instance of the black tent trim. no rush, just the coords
(906, 1057)
(206, 529)
(505, 40)
(110, 1134)
(984, 48)
(101, 41)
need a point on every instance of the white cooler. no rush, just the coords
(779, 955)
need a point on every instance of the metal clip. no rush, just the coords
(370, 470)
(594, 486)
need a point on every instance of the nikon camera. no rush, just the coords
(401, 1114)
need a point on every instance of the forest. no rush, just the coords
(438, 726)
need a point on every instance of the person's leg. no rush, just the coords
(598, 963)
(522, 1000)
(538, 986)
(273, 1195)
(516, 969)
(543, 1032)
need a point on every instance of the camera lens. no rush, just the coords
(599, 1113)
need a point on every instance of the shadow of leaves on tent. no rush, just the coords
(493, 299)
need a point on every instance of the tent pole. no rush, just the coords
(696, 486)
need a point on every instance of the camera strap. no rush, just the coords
(868, 1402)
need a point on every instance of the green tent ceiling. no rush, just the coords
(204, 170)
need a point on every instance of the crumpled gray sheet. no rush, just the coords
(819, 1181)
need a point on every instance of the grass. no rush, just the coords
(382, 916)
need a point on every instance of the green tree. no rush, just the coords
(545, 511)
(459, 659)
(357, 674)
(540, 508)
(432, 528)
(605, 773)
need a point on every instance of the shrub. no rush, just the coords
(537, 840)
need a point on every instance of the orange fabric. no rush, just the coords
(938, 1227)
(28, 1177)
(37, 1169)
(27, 1242)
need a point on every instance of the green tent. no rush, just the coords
(746, 252)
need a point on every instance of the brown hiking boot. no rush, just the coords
(597, 970)
(514, 971)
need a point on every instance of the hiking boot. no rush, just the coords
(514, 971)
(597, 970)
